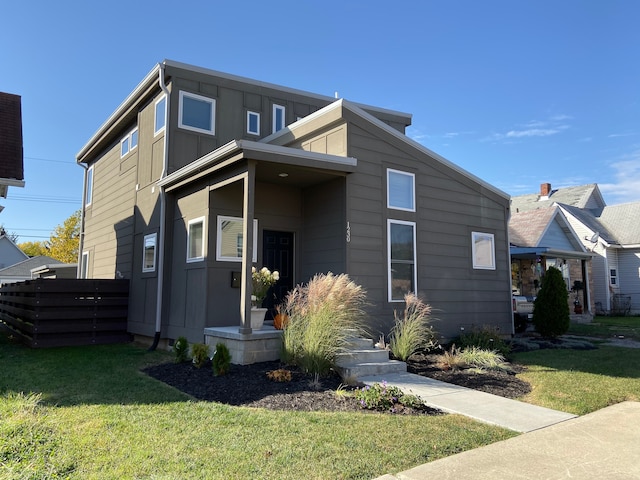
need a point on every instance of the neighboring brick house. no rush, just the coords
(324, 184)
(11, 152)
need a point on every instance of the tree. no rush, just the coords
(33, 249)
(10, 235)
(551, 307)
(65, 240)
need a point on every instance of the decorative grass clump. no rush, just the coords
(200, 354)
(412, 331)
(473, 357)
(487, 338)
(323, 315)
(181, 350)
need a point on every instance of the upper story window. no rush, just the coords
(253, 123)
(84, 265)
(160, 115)
(401, 190)
(195, 240)
(129, 142)
(89, 192)
(149, 253)
(197, 113)
(278, 118)
(613, 276)
(484, 252)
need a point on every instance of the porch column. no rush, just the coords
(246, 287)
(586, 294)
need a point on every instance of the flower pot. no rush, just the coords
(257, 317)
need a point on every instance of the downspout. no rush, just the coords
(162, 195)
(84, 205)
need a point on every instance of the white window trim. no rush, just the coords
(219, 256)
(476, 266)
(277, 108)
(127, 138)
(89, 191)
(84, 265)
(415, 258)
(155, 114)
(204, 236)
(195, 96)
(257, 114)
(144, 252)
(413, 187)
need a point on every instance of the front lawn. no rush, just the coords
(88, 412)
(609, 327)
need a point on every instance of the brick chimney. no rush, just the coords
(545, 189)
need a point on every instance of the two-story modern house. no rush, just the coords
(199, 175)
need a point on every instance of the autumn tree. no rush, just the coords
(65, 240)
(33, 249)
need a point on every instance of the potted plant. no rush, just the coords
(262, 281)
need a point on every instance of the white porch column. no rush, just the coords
(247, 247)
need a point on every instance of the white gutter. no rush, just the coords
(84, 205)
(162, 194)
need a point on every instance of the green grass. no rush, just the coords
(581, 381)
(608, 327)
(88, 412)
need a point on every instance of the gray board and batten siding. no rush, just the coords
(325, 206)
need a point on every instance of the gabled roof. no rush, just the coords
(23, 269)
(582, 196)
(526, 228)
(591, 222)
(337, 110)
(624, 221)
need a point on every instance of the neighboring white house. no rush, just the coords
(611, 233)
(10, 253)
(23, 270)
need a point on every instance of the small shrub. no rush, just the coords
(412, 332)
(383, 397)
(280, 375)
(221, 360)
(200, 354)
(473, 358)
(486, 338)
(181, 350)
(551, 308)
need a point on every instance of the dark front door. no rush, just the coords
(277, 254)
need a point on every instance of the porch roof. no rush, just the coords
(275, 164)
(520, 253)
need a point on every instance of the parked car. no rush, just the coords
(522, 312)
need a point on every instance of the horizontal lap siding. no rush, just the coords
(449, 207)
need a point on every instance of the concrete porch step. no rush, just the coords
(354, 371)
(355, 343)
(361, 355)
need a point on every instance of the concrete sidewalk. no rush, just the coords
(602, 444)
(484, 407)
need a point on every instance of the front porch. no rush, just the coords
(262, 345)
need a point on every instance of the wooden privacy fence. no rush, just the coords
(62, 311)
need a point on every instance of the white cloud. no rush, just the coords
(532, 132)
(626, 185)
(535, 128)
(616, 135)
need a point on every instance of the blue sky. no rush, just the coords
(516, 92)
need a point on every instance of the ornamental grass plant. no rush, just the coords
(323, 314)
(412, 331)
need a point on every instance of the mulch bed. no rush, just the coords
(248, 386)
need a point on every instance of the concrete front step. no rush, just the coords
(353, 371)
(361, 355)
(356, 343)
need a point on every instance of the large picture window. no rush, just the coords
(195, 240)
(197, 113)
(402, 259)
(484, 253)
(149, 253)
(401, 190)
(229, 239)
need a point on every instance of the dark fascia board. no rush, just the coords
(246, 149)
(338, 108)
(530, 252)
